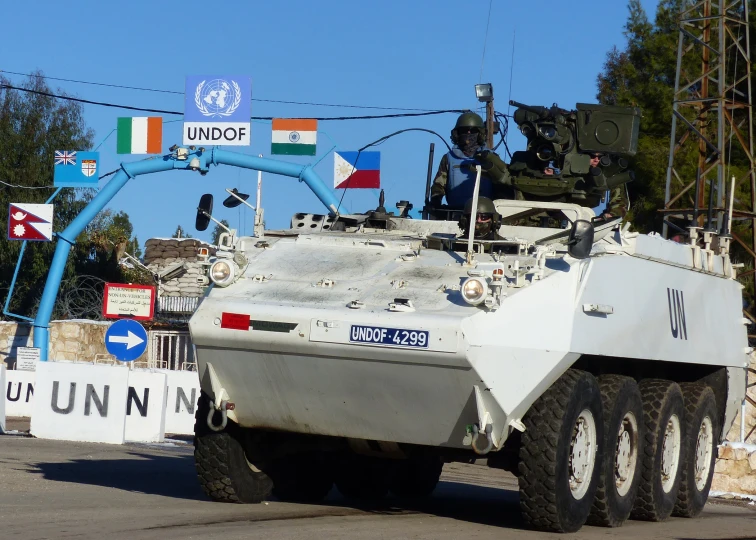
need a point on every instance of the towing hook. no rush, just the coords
(476, 434)
(224, 406)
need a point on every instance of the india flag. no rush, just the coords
(294, 136)
(140, 135)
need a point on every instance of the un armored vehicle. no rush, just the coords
(601, 366)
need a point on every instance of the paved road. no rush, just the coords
(53, 489)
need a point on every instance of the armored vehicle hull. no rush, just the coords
(380, 350)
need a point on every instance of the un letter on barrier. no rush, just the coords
(19, 392)
(79, 402)
(181, 401)
(2, 401)
(145, 406)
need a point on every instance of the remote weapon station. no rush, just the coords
(599, 365)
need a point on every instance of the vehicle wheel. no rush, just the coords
(361, 477)
(222, 467)
(415, 478)
(700, 448)
(620, 470)
(302, 477)
(558, 471)
(661, 457)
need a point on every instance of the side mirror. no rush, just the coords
(204, 211)
(581, 239)
(233, 202)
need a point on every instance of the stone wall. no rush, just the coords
(74, 340)
(162, 252)
(735, 471)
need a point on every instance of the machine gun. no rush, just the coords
(561, 142)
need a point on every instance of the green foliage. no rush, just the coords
(180, 232)
(217, 232)
(32, 127)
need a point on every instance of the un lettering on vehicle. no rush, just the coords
(676, 310)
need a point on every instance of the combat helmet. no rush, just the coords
(488, 220)
(469, 119)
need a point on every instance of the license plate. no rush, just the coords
(394, 337)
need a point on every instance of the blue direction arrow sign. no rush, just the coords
(126, 340)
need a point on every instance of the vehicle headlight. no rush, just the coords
(474, 290)
(222, 273)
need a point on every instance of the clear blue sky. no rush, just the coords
(417, 54)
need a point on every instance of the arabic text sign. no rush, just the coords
(217, 110)
(123, 300)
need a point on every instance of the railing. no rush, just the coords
(171, 350)
(177, 304)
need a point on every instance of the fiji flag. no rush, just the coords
(353, 171)
(76, 169)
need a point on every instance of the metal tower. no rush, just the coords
(712, 121)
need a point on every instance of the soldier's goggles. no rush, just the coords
(484, 217)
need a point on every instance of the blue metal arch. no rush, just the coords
(214, 156)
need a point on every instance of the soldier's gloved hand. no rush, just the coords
(482, 158)
(436, 202)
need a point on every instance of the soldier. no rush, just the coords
(456, 174)
(487, 220)
(618, 202)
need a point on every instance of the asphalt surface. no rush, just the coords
(53, 489)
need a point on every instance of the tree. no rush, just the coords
(32, 127)
(217, 232)
(180, 233)
(643, 75)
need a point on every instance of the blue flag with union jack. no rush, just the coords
(76, 169)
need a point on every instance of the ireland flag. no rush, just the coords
(356, 170)
(294, 136)
(140, 135)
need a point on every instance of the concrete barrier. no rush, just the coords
(145, 406)
(183, 396)
(2, 401)
(19, 392)
(80, 402)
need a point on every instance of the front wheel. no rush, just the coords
(223, 470)
(560, 453)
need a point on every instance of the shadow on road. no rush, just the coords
(492, 506)
(169, 476)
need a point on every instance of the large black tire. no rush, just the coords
(302, 477)
(702, 428)
(550, 497)
(623, 431)
(657, 490)
(222, 467)
(363, 478)
(415, 478)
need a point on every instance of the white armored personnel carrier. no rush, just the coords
(600, 366)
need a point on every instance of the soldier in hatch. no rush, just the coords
(456, 174)
(618, 202)
(487, 220)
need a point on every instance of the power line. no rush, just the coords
(143, 89)
(162, 111)
(485, 40)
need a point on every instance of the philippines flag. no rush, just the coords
(356, 170)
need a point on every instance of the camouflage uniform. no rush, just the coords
(494, 170)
